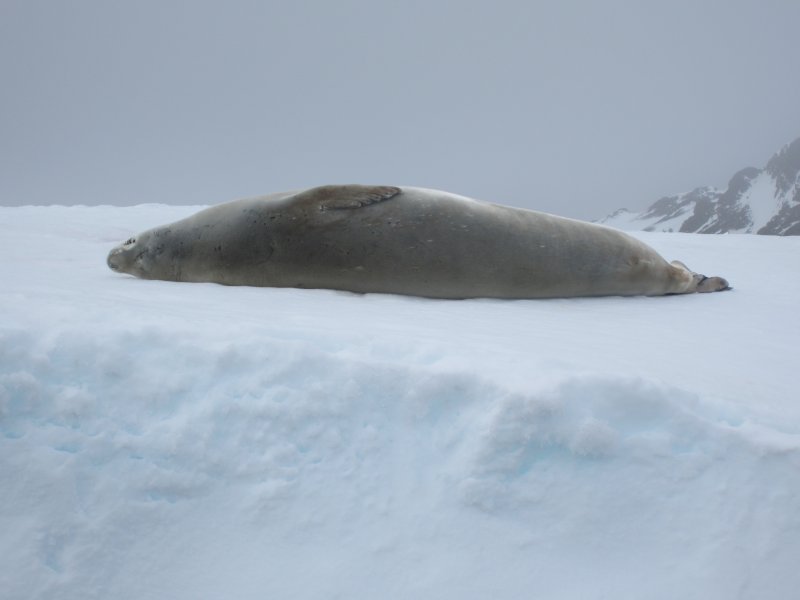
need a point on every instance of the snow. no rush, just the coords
(622, 219)
(675, 223)
(163, 440)
(629, 221)
(762, 200)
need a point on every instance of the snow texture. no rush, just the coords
(186, 441)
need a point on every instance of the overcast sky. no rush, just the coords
(576, 108)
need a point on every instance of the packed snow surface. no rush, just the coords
(192, 441)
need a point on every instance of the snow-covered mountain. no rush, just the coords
(765, 201)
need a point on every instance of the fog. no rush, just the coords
(576, 108)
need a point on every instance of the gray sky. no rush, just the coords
(576, 108)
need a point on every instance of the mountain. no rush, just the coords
(764, 201)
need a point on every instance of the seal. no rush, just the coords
(402, 240)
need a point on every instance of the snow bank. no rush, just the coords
(164, 440)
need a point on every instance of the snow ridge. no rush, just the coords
(244, 427)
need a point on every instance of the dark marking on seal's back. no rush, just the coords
(343, 197)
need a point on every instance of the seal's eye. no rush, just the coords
(129, 242)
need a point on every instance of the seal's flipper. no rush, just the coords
(712, 284)
(700, 283)
(677, 263)
(339, 197)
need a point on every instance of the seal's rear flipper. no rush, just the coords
(339, 197)
(712, 284)
(700, 283)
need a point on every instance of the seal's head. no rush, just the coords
(123, 257)
(144, 256)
